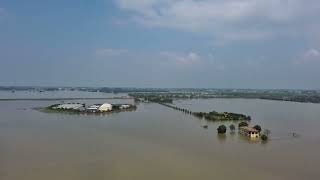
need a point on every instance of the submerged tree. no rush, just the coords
(222, 129)
(257, 127)
(243, 124)
(232, 127)
(267, 132)
(264, 137)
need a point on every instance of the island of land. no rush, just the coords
(93, 109)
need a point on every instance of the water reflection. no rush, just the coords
(155, 142)
(248, 140)
(232, 133)
(222, 138)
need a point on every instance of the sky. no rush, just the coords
(161, 43)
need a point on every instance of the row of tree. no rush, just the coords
(213, 115)
(177, 108)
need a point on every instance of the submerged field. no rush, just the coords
(156, 142)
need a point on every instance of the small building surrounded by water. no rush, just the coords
(249, 132)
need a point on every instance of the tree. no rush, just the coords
(257, 127)
(264, 137)
(267, 132)
(243, 124)
(222, 129)
(232, 127)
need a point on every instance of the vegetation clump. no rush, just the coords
(257, 127)
(264, 137)
(267, 132)
(225, 116)
(199, 114)
(211, 116)
(152, 97)
(243, 124)
(222, 129)
(232, 127)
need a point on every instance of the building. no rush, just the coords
(249, 132)
(105, 107)
(93, 108)
(69, 106)
(125, 106)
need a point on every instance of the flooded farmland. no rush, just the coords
(156, 142)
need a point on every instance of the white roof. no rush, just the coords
(94, 106)
(69, 106)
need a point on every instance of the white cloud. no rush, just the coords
(232, 19)
(311, 55)
(111, 52)
(2, 12)
(182, 59)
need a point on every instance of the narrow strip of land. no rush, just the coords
(211, 116)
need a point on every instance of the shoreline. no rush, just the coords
(60, 111)
(132, 98)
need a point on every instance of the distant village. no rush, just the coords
(94, 108)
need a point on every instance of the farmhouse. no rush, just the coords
(249, 132)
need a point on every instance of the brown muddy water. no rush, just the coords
(156, 142)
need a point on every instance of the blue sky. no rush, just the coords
(161, 43)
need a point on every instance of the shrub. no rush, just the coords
(232, 127)
(264, 137)
(222, 129)
(257, 127)
(243, 124)
(267, 132)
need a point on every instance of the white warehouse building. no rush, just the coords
(69, 106)
(105, 107)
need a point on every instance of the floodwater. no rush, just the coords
(156, 142)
